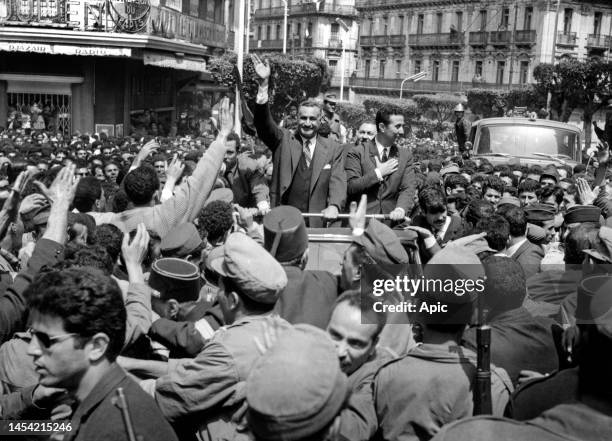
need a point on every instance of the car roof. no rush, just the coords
(526, 121)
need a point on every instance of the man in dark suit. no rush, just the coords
(382, 170)
(527, 254)
(308, 169)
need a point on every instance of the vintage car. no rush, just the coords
(532, 141)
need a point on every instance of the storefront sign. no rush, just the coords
(61, 49)
(171, 62)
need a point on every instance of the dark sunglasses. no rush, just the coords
(46, 340)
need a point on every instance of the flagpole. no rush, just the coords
(239, 61)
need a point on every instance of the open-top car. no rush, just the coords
(532, 141)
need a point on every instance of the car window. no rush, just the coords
(526, 140)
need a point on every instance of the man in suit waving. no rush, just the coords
(308, 171)
(383, 170)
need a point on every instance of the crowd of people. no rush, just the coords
(170, 279)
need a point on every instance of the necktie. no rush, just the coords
(307, 154)
(385, 155)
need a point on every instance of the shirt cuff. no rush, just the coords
(378, 174)
(263, 205)
(429, 242)
(262, 95)
(403, 211)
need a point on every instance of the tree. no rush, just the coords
(408, 108)
(440, 106)
(574, 84)
(485, 102)
(353, 115)
(292, 80)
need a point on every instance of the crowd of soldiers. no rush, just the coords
(143, 297)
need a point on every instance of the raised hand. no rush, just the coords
(135, 251)
(226, 117)
(262, 69)
(63, 188)
(357, 219)
(145, 151)
(175, 169)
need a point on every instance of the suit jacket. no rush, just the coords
(529, 256)
(396, 190)
(248, 183)
(308, 298)
(328, 181)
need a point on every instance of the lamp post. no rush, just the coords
(286, 3)
(346, 29)
(415, 78)
(240, 57)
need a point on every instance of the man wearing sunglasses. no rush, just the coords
(78, 327)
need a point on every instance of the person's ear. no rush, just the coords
(97, 346)
(172, 308)
(233, 301)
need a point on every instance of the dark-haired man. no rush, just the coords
(308, 170)
(382, 170)
(526, 253)
(78, 325)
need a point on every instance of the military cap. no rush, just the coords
(594, 303)
(175, 279)
(330, 97)
(285, 235)
(535, 233)
(382, 244)
(445, 271)
(550, 170)
(539, 213)
(582, 213)
(449, 169)
(296, 389)
(181, 241)
(220, 194)
(251, 268)
(509, 200)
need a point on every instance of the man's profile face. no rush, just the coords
(308, 121)
(549, 228)
(62, 363)
(329, 106)
(394, 130)
(366, 132)
(354, 341)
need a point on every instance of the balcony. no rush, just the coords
(138, 19)
(268, 44)
(366, 40)
(334, 43)
(500, 38)
(568, 39)
(453, 39)
(333, 7)
(479, 38)
(392, 84)
(397, 40)
(270, 12)
(598, 41)
(525, 38)
(381, 40)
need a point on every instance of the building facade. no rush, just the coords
(94, 66)
(462, 44)
(312, 29)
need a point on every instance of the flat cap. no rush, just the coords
(175, 279)
(297, 388)
(539, 213)
(181, 241)
(220, 194)
(252, 269)
(449, 169)
(550, 170)
(509, 200)
(582, 213)
(594, 303)
(535, 233)
(382, 244)
(285, 235)
(447, 273)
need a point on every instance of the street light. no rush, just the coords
(415, 78)
(342, 66)
(286, 3)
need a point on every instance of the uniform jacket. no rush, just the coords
(414, 396)
(97, 417)
(519, 341)
(529, 256)
(462, 131)
(396, 190)
(248, 182)
(328, 181)
(209, 391)
(562, 423)
(308, 298)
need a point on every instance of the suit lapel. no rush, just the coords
(371, 147)
(296, 153)
(318, 161)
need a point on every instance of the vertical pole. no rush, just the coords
(512, 43)
(286, 2)
(247, 36)
(342, 67)
(554, 56)
(240, 53)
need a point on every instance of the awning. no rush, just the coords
(44, 84)
(195, 64)
(65, 49)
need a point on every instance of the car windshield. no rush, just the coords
(525, 140)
